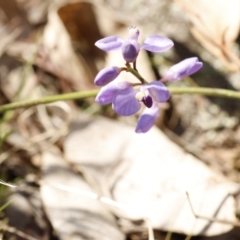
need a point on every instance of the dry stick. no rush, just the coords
(213, 92)
(168, 236)
(210, 219)
(16, 232)
(7, 184)
(150, 229)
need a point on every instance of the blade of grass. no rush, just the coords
(5, 205)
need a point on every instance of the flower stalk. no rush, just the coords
(136, 74)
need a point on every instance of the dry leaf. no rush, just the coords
(58, 56)
(81, 34)
(150, 174)
(216, 25)
(73, 216)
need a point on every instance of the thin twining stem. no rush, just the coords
(49, 99)
(210, 219)
(214, 92)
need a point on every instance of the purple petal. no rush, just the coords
(125, 102)
(106, 75)
(195, 68)
(108, 92)
(147, 119)
(158, 91)
(157, 43)
(130, 50)
(182, 69)
(109, 43)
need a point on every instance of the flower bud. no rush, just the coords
(182, 69)
(106, 75)
(133, 32)
(130, 50)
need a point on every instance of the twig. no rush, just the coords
(82, 193)
(168, 236)
(87, 194)
(150, 229)
(7, 184)
(16, 232)
(210, 219)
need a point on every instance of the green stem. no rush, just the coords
(214, 92)
(49, 99)
(137, 75)
(5, 205)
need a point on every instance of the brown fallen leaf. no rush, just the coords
(58, 57)
(215, 25)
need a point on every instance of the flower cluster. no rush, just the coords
(126, 98)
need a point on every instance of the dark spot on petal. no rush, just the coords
(148, 102)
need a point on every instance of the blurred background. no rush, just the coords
(59, 157)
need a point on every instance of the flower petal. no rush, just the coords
(109, 43)
(182, 69)
(125, 102)
(130, 50)
(158, 91)
(106, 75)
(147, 119)
(157, 43)
(108, 92)
(198, 65)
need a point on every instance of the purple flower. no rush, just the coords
(126, 100)
(106, 75)
(182, 69)
(131, 47)
(107, 93)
